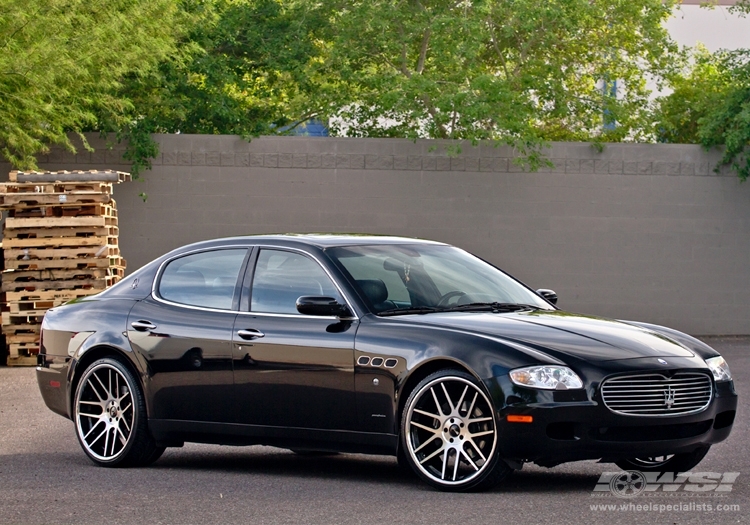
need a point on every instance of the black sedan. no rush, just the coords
(381, 345)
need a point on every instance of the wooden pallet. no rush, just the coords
(44, 286)
(61, 242)
(56, 187)
(62, 264)
(69, 176)
(23, 354)
(59, 222)
(22, 361)
(62, 199)
(31, 308)
(52, 274)
(11, 318)
(79, 252)
(27, 339)
(46, 233)
(21, 329)
(94, 210)
(99, 210)
(38, 297)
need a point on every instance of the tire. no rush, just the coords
(109, 414)
(670, 463)
(449, 434)
(403, 463)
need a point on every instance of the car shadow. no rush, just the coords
(357, 468)
(277, 462)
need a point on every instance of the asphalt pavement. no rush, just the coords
(45, 478)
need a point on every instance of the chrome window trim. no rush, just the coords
(298, 316)
(160, 271)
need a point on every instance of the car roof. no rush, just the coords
(320, 240)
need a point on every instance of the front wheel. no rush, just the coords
(449, 434)
(670, 463)
(110, 417)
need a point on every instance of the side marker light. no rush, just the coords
(520, 419)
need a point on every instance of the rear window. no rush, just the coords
(206, 279)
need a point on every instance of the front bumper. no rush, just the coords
(571, 426)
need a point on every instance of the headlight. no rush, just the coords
(546, 377)
(719, 368)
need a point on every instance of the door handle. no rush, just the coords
(143, 326)
(250, 333)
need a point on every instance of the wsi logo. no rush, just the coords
(631, 483)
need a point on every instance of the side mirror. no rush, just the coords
(321, 306)
(550, 295)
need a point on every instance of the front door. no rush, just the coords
(292, 370)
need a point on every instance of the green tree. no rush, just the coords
(240, 68)
(517, 71)
(710, 104)
(62, 62)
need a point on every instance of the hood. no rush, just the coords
(562, 333)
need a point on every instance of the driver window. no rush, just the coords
(281, 277)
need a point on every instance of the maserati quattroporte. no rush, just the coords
(417, 349)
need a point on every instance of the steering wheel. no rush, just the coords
(450, 295)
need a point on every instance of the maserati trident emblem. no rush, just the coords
(662, 361)
(669, 397)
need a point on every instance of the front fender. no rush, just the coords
(415, 351)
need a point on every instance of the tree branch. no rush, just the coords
(423, 50)
(443, 134)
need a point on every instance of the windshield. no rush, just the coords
(429, 278)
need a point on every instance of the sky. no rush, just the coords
(716, 28)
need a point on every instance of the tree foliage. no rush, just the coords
(62, 63)
(710, 104)
(239, 69)
(519, 71)
(522, 72)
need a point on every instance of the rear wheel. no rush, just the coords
(110, 417)
(449, 434)
(669, 463)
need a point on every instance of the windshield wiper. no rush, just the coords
(413, 310)
(470, 307)
(490, 307)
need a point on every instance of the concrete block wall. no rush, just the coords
(642, 232)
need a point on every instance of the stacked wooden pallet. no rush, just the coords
(60, 242)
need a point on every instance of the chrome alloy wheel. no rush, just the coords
(451, 433)
(104, 412)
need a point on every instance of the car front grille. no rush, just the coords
(657, 395)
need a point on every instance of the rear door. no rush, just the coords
(184, 330)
